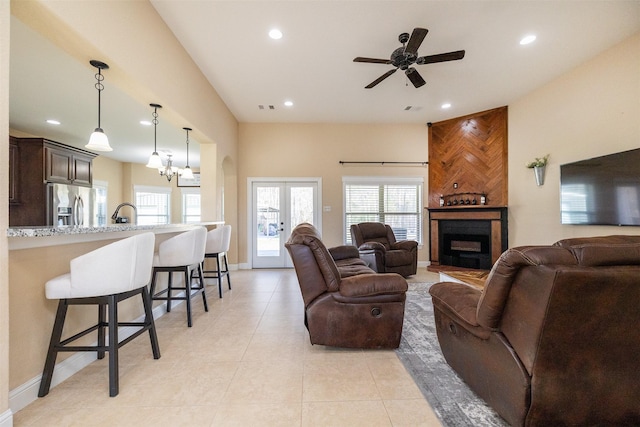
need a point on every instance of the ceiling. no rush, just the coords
(312, 65)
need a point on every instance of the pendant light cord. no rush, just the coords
(100, 87)
(187, 147)
(155, 128)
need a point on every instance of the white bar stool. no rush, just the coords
(218, 241)
(182, 253)
(103, 277)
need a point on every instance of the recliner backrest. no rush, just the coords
(504, 272)
(372, 232)
(604, 250)
(317, 271)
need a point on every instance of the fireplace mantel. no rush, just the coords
(495, 216)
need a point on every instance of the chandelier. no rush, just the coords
(169, 171)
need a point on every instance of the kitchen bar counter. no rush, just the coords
(36, 255)
(41, 236)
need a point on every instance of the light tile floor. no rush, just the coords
(247, 362)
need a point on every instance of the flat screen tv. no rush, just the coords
(601, 191)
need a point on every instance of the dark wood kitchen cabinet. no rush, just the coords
(35, 162)
(14, 172)
(67, 166)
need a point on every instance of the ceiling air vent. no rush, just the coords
(270, 107)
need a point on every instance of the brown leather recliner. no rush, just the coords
(378, 247)
(554, 337)
(364, 310)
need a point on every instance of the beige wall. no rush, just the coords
(87, 30)
(97, 29)
(4, 212)
(314, 150)
(591, 111)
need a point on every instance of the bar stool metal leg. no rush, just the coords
(113, 345)
(52, 353)
(150, 323)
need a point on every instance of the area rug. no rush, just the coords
(451, 399)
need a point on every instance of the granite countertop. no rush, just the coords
(22, 237)
(48, 231)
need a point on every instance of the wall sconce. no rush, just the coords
(98, 140)
(187, 173)
(155, 161)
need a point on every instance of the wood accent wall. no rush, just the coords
(470, 151)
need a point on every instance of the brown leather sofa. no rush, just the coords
(378, 247)
(554, 337)
(362, 310)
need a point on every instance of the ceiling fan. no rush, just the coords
(407, 55)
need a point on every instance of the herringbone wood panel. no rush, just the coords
(472, 152)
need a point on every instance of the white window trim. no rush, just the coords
(151, 189)
(188, 190)
(154, 189)
(378, 180)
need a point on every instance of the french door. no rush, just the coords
(278, 206)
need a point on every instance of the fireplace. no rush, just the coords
(465, 243)
(472, 237)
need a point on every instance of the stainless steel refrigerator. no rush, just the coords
(71, 205)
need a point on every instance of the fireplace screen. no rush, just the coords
(466, 246)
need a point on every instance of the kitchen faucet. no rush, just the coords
(135, 211)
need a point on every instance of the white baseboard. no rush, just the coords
(424, 264)
(6, 418)
(27, 393)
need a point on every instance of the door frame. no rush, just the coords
(250, 207)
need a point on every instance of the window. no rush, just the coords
(101, 188)
(153, 205)
(190, 205)
(396, 201)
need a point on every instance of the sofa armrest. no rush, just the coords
(364, 285)
(372, 246)
(460, 303)
(344, 252)
(406, 245)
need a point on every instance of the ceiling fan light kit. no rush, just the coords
(407, 55)
(98, 140)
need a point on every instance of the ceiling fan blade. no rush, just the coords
(372, 60)
(414, 76)
(381, 78)
(415, 41)
(441, 57)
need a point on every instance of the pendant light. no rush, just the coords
(98, 140)
(187, 173)
(155, 161)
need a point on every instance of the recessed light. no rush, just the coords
(288, 103)
(445, 106)
(275, 34)
(528, 39)
(145, 122)
(53, 122)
